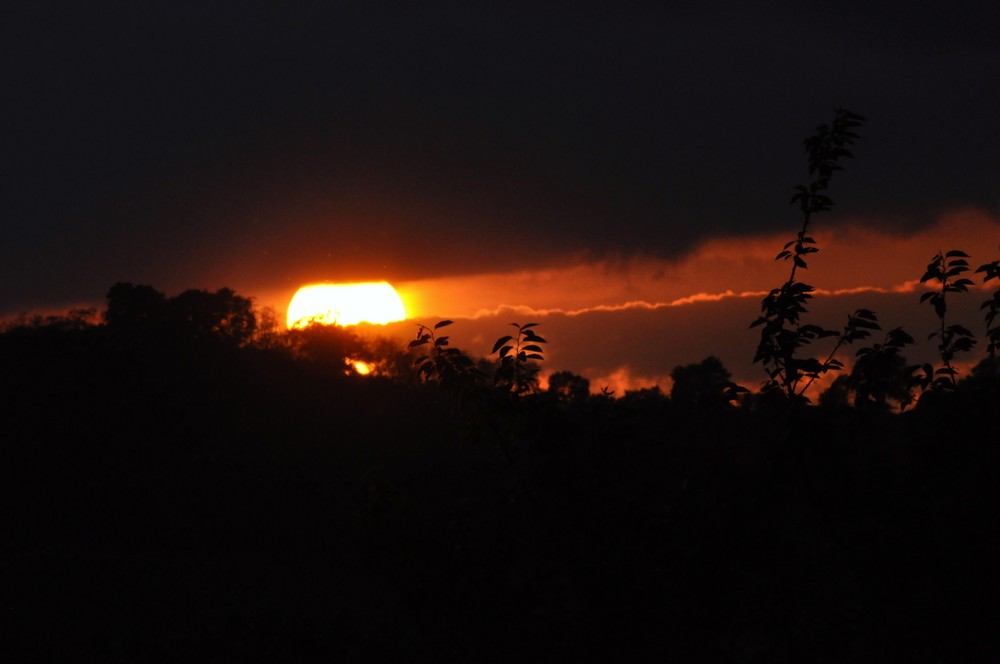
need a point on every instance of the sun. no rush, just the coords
(345, 304)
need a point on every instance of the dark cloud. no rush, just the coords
(204, 144)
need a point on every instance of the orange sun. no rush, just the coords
(345, 304)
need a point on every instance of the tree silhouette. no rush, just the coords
(131, 306)
(193, 315)
(222, 315)
(569, 388)
(330, 346)
(701, 385)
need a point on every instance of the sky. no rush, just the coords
(622, 173)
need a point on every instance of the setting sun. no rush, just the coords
(345, 304)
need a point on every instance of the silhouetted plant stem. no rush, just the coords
(951, 338)
(858, 325)
(782, 334)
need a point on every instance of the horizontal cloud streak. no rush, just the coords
(853, 258)
(601, 329)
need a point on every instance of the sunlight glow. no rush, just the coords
(345, 304)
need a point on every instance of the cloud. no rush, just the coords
(853, 257)
(606, 333)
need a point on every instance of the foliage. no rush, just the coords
(881, 375)
(268, 333)
(782, 334)
(74, 319)
(569, 388)
(129, 305)
(330, 346)
(991, 307)
(453, 370)
(222, 316)
(952, 339)
(517, 372)
(706, 384)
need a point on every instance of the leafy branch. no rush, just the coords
(517, 354)
(992, 307)
(943, 269)
(782, 335)
(454, 371)
(880, 373)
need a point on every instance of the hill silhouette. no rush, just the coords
(181, 491)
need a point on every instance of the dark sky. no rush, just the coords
(204, 144)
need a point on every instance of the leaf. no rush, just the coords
(534, 356)
(417, 342)
(899, 338)
(500, 342)
(534, 348)
(443, 323)
(958, 329)
(940, 307)
(956, 252)
(964, 345)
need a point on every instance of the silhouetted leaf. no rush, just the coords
(443, 323)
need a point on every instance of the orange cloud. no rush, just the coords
(853, 258)
(626, 324)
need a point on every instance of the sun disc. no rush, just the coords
(345, 304)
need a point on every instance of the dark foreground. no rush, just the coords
(232, 507)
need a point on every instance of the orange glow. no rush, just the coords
(345, 304)
(361, 368)
(855, 257)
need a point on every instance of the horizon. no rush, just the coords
(605, 165)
